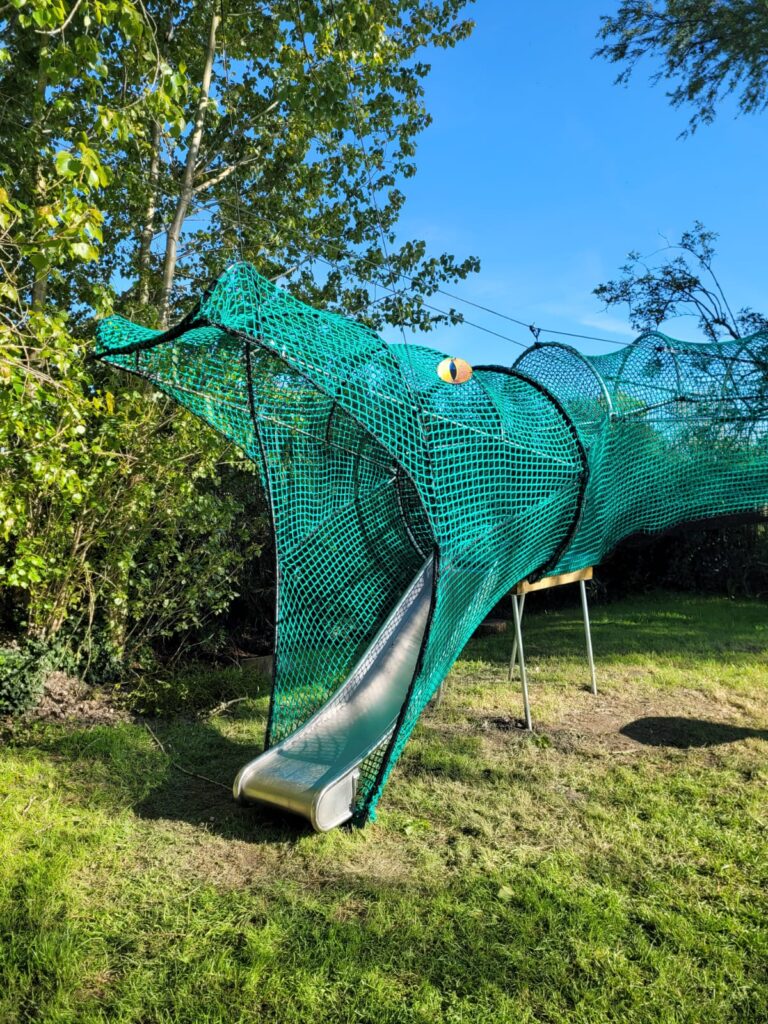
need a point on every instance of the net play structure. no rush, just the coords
(410, 492)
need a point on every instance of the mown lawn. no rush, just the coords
(612, 867)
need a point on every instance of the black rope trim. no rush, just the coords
(273, 531)
(581, 358)
(189, 323)
(543, 569)
(361, 815)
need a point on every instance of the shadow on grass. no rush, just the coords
(684, 733)
(122, 767)
(185, 796)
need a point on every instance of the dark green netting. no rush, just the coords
(373, 464)
(675, 434)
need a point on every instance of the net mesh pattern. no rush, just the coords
(675, 434)
(373, 465)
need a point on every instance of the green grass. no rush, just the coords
(584, 874)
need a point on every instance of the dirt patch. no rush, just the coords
(502, 723)
(377, 860)
(66, 698)
(612, 721)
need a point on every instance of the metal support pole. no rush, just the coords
(513, 659)
(588, 633)
(523, 678)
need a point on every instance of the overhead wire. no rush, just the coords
(358, 258)
(394, 275)
(392, 292)
(389, 290)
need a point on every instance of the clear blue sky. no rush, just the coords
(538, 164)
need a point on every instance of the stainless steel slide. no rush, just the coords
(315, 770)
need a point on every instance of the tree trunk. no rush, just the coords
(40, 284)
(147, 232)
(188, 178)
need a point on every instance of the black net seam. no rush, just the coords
(242, 336)
(360, 816)
(543, 569)
(273, 531)
(574, 352)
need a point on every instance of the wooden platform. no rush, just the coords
(553, 581)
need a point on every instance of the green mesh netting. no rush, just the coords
(675, 434)
(373, 464)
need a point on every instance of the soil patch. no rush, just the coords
(66, 698)
(608, 720)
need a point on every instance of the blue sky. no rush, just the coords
(538, 164)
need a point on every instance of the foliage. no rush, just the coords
(22, 674)
(729, 560)
(580, 876)
(684, 284)
(110, 524)
(281, 133)
(125, 526)
(708, 49)
(308, 130)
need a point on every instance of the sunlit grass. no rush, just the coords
(612, 867)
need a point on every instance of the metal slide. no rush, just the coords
(314, 771)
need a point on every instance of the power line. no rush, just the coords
(398, 293)
(530, 326)
(436, 309)
(390, 292)
(441, 291)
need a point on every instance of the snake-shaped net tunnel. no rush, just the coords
(375, 466)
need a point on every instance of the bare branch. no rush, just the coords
(224, 174)
(64, 24)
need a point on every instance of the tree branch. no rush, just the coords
(223, 175)
(64, 24)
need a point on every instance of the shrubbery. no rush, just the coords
(22, 675)
(124, 522)
(194, 688)
(729, 560)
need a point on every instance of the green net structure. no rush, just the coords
(373, 465)
(675, 434)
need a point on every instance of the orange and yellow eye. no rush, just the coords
(454, 371)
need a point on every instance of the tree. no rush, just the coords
(113, 533)
(159, 141)
(709, 49)
(684, 284)
(280, 134)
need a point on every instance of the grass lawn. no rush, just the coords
(611, 867)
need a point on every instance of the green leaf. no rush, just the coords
(67, 165)
(38, 260)
(84, 251)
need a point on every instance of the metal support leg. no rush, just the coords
(513, 659)
(523, 678)
(588, 633)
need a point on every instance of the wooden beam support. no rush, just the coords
(525, 587)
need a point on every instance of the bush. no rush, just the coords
(125, 523)
(730, 560)
(22, 675)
